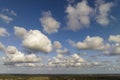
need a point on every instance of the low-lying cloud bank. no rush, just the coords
(35, 40)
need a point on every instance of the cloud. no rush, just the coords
(9, 12)
(114, 50)
(103, 9)
(58, 48)
(114, 38)
(7, 15)
(6, 18)
(2, 47)
(78, 16)
(14, 56)
(72, 61)
(34, 40)
(76, 57)
(37, 41)
(90, 43)
(57, 45)
(19, 31)
(70, 1)
(11, 50)
(3, 32)
(49, 24)
(64, 51)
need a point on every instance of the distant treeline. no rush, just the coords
(59, 77)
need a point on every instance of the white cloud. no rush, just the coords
(57, 45)
(114, 38)
(6, 18)
(15, 56)
(11, 50)
(2, 47)
(78, 15)
(91, 43)
(103, 9)
(26, 64)
(3, 32)
(76, 57)
(49, 24)
(71, 61)
(64, 51)
(35, 40)
(114, 50)
(9, 12)
(19, 31)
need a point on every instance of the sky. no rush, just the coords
(67, 36)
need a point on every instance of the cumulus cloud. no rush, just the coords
(3, 32)
(20, 31)
(34, 40)
(9, 12)
(91, 43)
(72, 61)
(49, 24)
(64, 51)
(114, 38)
(11, 50)
(114, 50)
(58, 48)
(57, 45)
(15, 56)
(7, 15)
(103, 9)
(78, 16)
(2, 47)
(6, 18)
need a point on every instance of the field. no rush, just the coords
(58, 77)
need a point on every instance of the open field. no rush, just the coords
(59, 77)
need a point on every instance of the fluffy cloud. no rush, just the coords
(58, 48)
(78, 15)
(57, 45)
(19, 31)
(72, 61)
(64, 51)
(7, 15)
(114, 38)
(9, 12)
(3, 32)
(114, 50)
(2, 47)
(6, 18)
(11, 50)
(50, 25)
(103, 10)
(91, 43)
(35, 40)
(15, 56)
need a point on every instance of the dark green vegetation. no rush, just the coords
(59, 77)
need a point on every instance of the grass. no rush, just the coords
(59, 77)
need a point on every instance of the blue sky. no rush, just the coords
(82, 30)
